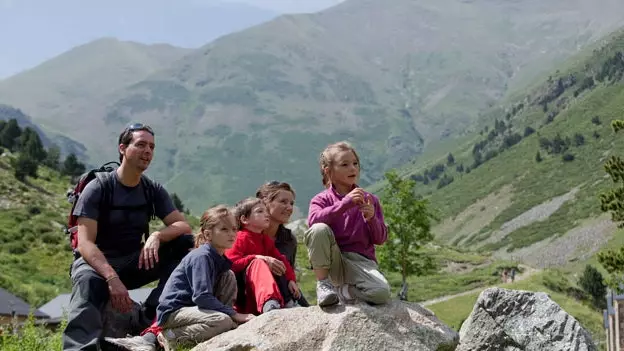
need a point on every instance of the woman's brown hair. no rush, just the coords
(269, 191)
(209, 220)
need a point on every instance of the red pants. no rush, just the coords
(260, 287)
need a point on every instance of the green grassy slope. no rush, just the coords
(511, 175)
(35, 255)
(454, 311)
(260, 104)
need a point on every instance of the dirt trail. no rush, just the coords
(528, 271)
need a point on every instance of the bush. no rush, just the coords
(17, 248)
(31, 338)
(51, 238)
(34, 210)
(568, 157)
(596, 120)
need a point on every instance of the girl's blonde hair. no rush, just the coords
(209, 220)
(328, 156)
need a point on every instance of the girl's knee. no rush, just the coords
(317, 231)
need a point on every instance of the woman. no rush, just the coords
(279, 199)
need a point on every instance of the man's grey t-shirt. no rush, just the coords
(124, 231)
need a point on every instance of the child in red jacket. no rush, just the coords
(269, 279)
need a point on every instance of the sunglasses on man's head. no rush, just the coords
(140, 126)
(274, 182)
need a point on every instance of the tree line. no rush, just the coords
(31, 152)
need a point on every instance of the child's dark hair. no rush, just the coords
(209, 220)
(244, 208)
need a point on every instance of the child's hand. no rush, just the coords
(294, 289)
(368, 209)
(276, 266)
(241, 318)
(357, 196)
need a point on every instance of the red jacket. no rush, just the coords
(249, 244)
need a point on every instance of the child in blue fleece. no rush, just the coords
(196, 302)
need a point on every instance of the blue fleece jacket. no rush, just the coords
(192, 283)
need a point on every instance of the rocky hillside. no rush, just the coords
(260, 104)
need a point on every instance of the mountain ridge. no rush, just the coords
(421, 74)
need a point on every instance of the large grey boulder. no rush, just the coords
(510, 320)
(395, 326)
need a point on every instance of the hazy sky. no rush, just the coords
(281, 6)
(286, 6)
(32, 31)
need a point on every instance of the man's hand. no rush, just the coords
(276, 266)
(294, 289)
(241, 318)
(119, 297)
(149, 253)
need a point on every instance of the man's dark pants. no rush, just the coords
(90, 291)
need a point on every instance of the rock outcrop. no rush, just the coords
(509, 320)
(395, 326)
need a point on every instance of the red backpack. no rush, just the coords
(103, 175)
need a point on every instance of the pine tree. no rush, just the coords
(450, 160)
(10, 134)
(25, 166)
(613, 201)
(53, 158)
(177, 202)
(30, 143)
(72, 167)
(591, 281)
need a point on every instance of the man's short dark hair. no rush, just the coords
(126, 135)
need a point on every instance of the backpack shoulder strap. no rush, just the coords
(149, 190)
(106, 199)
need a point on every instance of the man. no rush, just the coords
(113, 258)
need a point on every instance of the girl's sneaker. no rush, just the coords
(167, 340)
(345, 295)
(326, 293)
(134, 343)
(270, 306)
(292, 304)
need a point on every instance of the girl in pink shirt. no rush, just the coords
(345, 225)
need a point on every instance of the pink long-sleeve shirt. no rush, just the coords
(353, 233)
